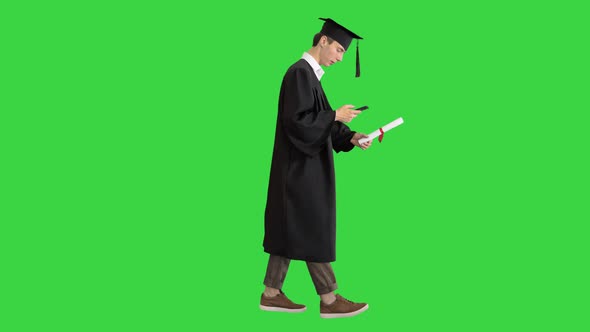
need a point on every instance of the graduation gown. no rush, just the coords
(300, 215)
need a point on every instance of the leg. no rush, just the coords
(273, 298)
(324, 280)
(331, 305)
(276, 271)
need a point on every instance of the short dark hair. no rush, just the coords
(318, 36)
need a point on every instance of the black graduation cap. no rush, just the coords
(343, 36)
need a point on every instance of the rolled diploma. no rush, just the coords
(385, 128)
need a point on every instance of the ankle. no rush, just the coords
(271, 292)
(328, 298)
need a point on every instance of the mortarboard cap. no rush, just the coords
(343, 36)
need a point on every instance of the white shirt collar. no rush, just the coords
(319, 72)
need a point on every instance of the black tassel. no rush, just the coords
(358, 63)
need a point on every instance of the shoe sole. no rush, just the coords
(347, 314)
(279, 309)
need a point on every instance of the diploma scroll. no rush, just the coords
(379, 132)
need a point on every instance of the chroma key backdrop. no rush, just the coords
(136, 141)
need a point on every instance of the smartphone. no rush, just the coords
(362, 108)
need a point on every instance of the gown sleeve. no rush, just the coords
(306, 127)
(341, 136)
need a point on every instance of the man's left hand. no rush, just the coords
(355, 140)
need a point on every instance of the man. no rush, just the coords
(300, 216)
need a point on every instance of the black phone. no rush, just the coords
(362, 108)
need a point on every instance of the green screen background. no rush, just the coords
(136, 141)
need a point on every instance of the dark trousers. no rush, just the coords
(321, 274)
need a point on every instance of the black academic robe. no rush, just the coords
(300, 216)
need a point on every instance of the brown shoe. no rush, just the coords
(341, 308)
(280, 303)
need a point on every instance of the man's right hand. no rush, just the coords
(346, 113)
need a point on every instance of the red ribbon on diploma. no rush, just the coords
(381, 136)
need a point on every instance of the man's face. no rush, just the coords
(330, 53)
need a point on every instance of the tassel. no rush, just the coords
(358, 63)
